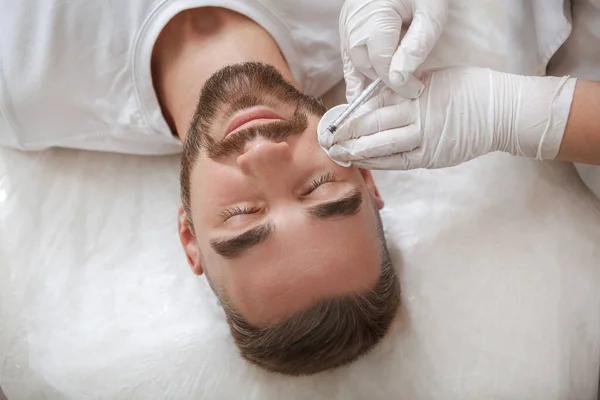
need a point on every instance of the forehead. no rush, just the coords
(303, 262)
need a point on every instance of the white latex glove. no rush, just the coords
(370, 35)
(463, 113)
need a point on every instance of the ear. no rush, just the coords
(189, 242)
(368, 177)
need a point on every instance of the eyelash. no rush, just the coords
(327, 178)
(233, 211)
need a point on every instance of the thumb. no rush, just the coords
(422, 35)
(412, 89)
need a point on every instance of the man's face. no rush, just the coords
(277, 225)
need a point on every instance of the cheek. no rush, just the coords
(309, 151)
(216, 186)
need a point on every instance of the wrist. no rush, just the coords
(531, 113)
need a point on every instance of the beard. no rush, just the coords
(241, 86)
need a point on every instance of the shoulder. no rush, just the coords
(69, 64)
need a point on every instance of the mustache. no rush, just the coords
(234, 143)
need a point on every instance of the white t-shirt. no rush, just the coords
(77, 73)
(555, 37)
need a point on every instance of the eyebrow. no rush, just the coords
(345, 206)
(233, 247)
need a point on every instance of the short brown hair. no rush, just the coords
(329, 334)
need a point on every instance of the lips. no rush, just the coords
(251, 117)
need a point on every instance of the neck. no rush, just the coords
(197, 43)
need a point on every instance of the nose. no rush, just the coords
(264, 157)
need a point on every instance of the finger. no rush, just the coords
(385, 143)
(382, 49)
(325, 140)
(376, 120)
(353, 46)
(394, 162)
(355, 81)
(325, 137)
(422, 35)
(375, 102)
(412, 89)
(359, 55)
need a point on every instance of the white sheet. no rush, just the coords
(590, 175)
(498, 259)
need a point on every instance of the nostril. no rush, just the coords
(266, 146)
(264, 154)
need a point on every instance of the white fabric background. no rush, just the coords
(498, 260)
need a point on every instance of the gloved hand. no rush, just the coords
(370, 35)
(463, 113)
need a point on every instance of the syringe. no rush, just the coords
(352, 107)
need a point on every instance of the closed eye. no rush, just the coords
(314, 185)
(233, 211)
(323, 179)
